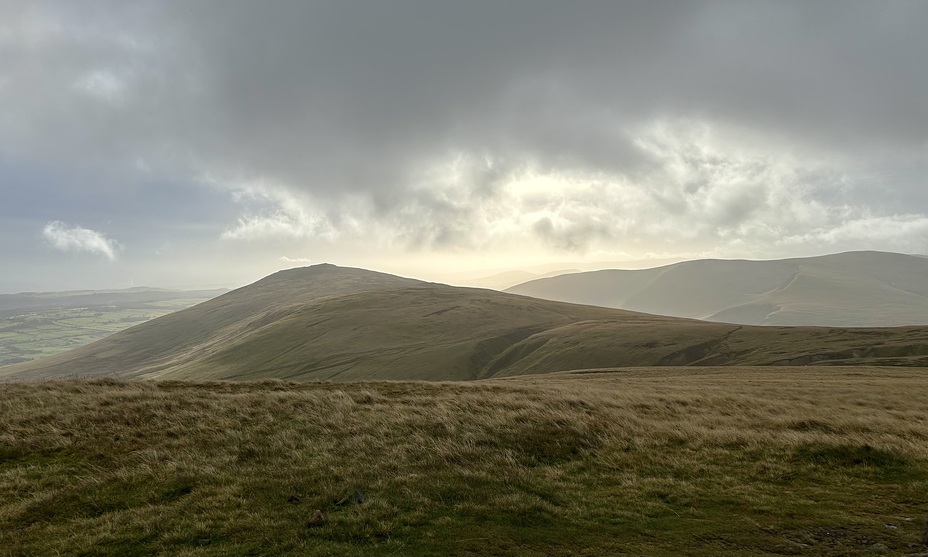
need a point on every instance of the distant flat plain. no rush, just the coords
(37, 325)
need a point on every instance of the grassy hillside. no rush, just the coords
(326, 322)
(857, 289)
(660, 462)
(192, 333)
(35, 325)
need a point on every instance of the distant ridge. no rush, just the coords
(853, 289)
(87, 298)
(333, 323)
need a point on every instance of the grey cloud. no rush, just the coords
(574, 236)
(344, 107)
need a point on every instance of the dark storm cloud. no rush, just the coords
(326, 113)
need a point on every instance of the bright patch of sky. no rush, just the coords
(210, 143)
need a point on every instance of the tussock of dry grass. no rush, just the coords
(792, 461)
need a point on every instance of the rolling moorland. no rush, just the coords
(854, 289)
(551, 440)
(333, 323)
(660, 462)
(34, 325)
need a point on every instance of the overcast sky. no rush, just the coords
(201, 143)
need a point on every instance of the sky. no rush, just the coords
(210, 143)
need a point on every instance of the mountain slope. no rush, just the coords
(326, 322)
(194, 333)
(855, 289)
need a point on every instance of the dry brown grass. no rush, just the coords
(673, 461)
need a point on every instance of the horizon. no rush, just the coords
(476, 278)
(158, 143)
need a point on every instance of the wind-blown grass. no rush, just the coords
(711, 461)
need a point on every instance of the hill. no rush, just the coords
(855, 289)
(718, 462)
(327, 322)
(37, 324)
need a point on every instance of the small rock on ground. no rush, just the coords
(316, 520)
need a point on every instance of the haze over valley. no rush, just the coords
(37, 324)
(858, 289)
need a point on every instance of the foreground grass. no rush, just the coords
(715, 461)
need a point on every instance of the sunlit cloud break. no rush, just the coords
(77, 238)
(286, 259)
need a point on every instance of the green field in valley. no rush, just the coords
(32, 332)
